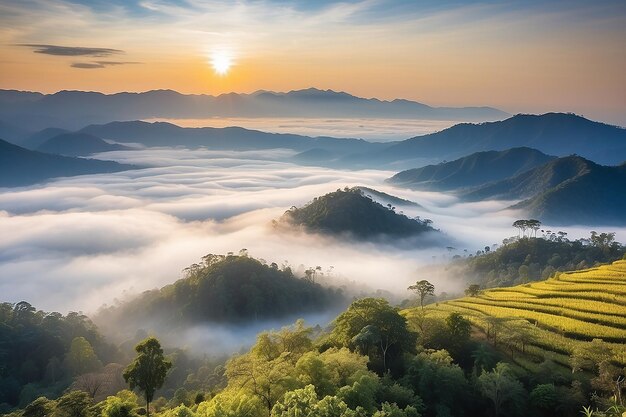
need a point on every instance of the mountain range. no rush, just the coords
(75, 109)
(560, 191)
(559, 134)
(20, 166)
(556, 134)
(565, 191)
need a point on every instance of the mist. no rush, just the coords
(372, 129)
(76, 244)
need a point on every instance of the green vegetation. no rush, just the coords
(231, 288)
(350, 211)
(147, 371)
(525, 259)
(576, 321)
(547, 348)
(41, 353)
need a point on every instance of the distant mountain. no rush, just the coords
(20, 166)
(78, 144)
(593, 197)
(224, 289)
(228, 138)
(570, 190)
(314, 156)
(36, 139)
(74, 109)
(557, 134)
(471, 171)
(352, 213)
(12, 133)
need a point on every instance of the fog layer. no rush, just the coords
(78, 243)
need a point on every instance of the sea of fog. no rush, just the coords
(78, 243)
(372, 129)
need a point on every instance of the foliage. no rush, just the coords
(423, 289)
(148, 370)
(73, 404)
(503, 389)
(538, 258)
(372, 327)
(37, 352)
(121, 405)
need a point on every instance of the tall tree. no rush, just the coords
(148, 370)
(501, 387)
(423, 288)
(81, 357)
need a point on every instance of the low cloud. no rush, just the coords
(77, 243)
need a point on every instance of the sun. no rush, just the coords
(221, 62)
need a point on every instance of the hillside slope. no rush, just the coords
(472, 170)
(552, 318)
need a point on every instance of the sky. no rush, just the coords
(520, 56)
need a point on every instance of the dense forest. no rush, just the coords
(351, 212)
(373, 361)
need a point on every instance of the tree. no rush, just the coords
(73, 404)
(81, 358)
(372, 324)
(41, 407)
(148, 370)
(501, 387)
(473, 290)
(423, 288)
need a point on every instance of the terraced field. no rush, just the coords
(554, 317)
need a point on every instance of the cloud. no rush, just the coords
(71, 50)
(76, 243)
(100, 64)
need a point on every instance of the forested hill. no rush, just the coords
(351, 212)
(226, 289)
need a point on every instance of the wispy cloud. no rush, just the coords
(71, 50)
(100, 64)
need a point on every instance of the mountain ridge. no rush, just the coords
(20, 166)
(63, 108)
(472, 170)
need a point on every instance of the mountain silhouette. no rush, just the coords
(78, 144)
(20, 166)
(75, 109)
